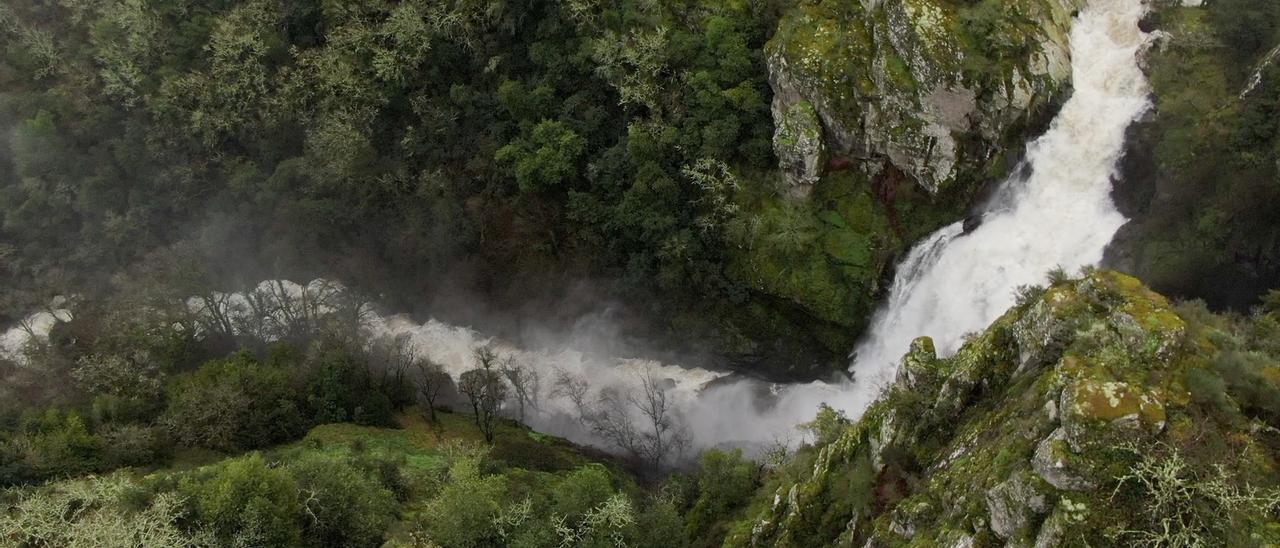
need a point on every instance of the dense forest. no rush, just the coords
(695, 168)
(499, 148)
(507, 150)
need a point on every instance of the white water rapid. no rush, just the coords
(1056, 212)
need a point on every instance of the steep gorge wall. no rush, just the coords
(891, 118)
(932, 87)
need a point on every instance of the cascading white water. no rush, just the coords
(1058, 214)
(35, 326)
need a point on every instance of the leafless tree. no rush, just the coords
(610, 418)
(351, 310)
(392, 360)
(575, 389)
(261, 309)
(640, 421)
(486, 357)
(485, 389)
(431, 380)
(216, 312)
(525, 383)
(664, 434)
(289, 311)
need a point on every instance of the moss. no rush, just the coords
(827, 261)
(1108, 401)
(800, 122)
(870, 69)
(950, 457)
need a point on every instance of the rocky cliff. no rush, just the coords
(1093, 413)
(932, 87)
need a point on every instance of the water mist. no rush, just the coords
(1057, 212)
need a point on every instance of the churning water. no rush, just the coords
(1055, 212)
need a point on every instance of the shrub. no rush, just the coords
(827, 425)
(462, 514)
(233, 404)
(607, 524)
(14, 469)
(115, 375)
(386, 470)
(374, 408)
(246, 503)
(133, 445)
(59, 444)
(112, 409)
(1186, 506)
(342, 390)
(96, 512)
(1243, 375)
(344, 505)
(1209, 390)
(661, 525)
(581, 490)
(726, 480)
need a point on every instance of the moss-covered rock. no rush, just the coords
(916, 81)
(1014, 503)
(1087, 415)
(797, 140)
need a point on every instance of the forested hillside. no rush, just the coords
(1203, 173)
(503, 147)
(724, 186)
(511, 150)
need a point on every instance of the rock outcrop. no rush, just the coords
(931, 86)
(1064, 423)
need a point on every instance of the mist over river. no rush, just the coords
(1055, 211)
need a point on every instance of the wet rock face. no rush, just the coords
(894, 79)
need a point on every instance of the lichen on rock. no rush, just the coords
(907, 81)
(797, 141)
(991, 447)
(1014, 503)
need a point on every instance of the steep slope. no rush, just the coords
(418, 485)
(1200, 178)
(1093, 412)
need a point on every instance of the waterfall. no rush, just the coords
(1057, 212)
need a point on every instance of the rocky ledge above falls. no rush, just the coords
(933, 87)
(1092, 413)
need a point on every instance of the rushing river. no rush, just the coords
(1056, 211)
